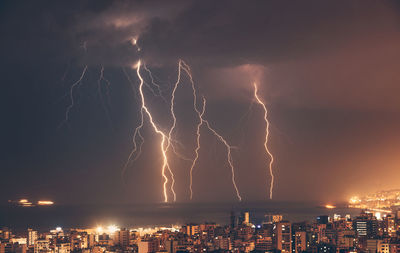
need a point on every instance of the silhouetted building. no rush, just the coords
(323, 219)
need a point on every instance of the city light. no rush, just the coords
(112, 229)
(381, 201)
(99, 230)
(354, 200)
(45, 203)
(279, 235)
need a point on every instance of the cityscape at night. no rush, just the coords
(365, 232)
(200, 126)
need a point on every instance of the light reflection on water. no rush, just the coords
(85, 216)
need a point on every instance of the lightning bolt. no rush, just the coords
(200, 115)
(229, 155)
(99, 91)
(71, 95)
(136, 148)
(201, 121)
(271, 161)
(164, 143)
(167, 138)
(154, 83)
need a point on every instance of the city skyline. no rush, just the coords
(364, 232)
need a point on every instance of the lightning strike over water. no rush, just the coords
(71, 95)
(266, 139)
(229, 156)
(200, 115)
(165, 141)
(171, 130)
(201, 121)
(136, 149)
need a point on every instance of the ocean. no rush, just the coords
(44, 218)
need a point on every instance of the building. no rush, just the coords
(264, 244)
(300, 243)
(121, 237)
(191, 229)
(244, 218)
(148, 245)
(366, 226)
(272, 218)
(283, 235)
(64, 247)
(323, 219)
(372, 245)
(32, 237)
(42, 246)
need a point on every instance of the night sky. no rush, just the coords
(329, 72)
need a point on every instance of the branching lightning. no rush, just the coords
(201, 121)
(167, 140)
(200, 115)
(154, 83)
(164, 143)
(229, 156)
(271, 161)
(71, 95)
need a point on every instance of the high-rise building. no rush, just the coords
(5, 233)
(323, 219)
(32, 237)
(244, 218)
(283, 232)
(191, 229)
(300, 243)
(366, 225)
(170, 246)
(121, 237)
(390, 225)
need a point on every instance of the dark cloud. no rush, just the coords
(233, 33)
(328, 71)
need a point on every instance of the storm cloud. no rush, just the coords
(328, 71)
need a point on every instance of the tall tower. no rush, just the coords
(246, 217)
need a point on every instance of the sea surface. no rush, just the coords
(43, 218)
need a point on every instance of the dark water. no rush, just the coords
(85, 216)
